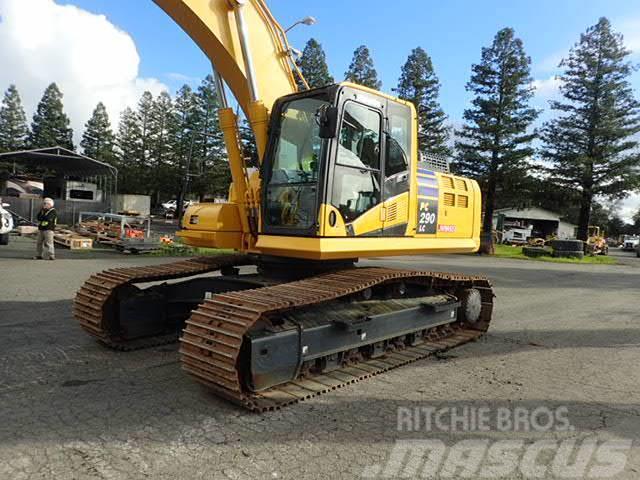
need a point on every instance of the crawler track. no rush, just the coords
(211, 345)
(96, 303)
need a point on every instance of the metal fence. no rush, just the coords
(68, 210)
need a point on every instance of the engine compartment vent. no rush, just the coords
(449, 200)
(392, 212)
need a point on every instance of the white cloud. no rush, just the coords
(630, 29)
(89, 58)
(547, 88)
(181, 77)
(551, 62)
(629, 207)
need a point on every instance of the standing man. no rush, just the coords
(47, 219)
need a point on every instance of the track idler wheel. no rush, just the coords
(471, 305)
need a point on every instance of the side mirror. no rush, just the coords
(328, 121)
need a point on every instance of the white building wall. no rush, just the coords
(566, 230)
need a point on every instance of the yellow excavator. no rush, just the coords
(290, 316)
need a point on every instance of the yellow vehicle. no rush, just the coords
(596, 243)
(340, 178)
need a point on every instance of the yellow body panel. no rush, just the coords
(326, 229)
(210, 224)
(456, 228)
(355, 247)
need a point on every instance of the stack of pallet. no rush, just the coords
(102, 231)
(72, 240)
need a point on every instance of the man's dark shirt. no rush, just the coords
(47, 219)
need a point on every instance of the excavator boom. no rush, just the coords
(236, 34)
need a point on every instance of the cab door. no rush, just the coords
(396, 169)
(356, 189)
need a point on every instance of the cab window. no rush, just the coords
(360, 137)
(397, 150)
(356, 184)
(291, 189)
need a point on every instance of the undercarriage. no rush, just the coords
(271, 338)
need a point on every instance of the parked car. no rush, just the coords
(172, 205)
(6, 224)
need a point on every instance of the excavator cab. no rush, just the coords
(341, 174)
(334, 156)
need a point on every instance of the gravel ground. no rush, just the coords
(563, 337)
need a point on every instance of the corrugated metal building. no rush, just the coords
(544, 222)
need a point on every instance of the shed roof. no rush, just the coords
(530, 213)
(61, 161)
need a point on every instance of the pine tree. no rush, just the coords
(419, 84)
(313, 65)
(248, 144)
(361, 69)
(186, 117)
(50, 125)
(590, 144)
(130, 154)
(98, 139)
(636, 220)
(495, 142)
(209, 154)
(163, 158)
(13, 122)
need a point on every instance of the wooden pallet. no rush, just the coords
(72, 241)
(25, 230)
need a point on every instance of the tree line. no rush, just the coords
(584, 156)
(152, 145)
(585, 153)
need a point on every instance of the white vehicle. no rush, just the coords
(173, 204)
(630, 243)
(6, 224)
(516, 234)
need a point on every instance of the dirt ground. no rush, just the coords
(565, 338)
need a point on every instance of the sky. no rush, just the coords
(113, 50)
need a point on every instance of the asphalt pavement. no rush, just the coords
(564, 339)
